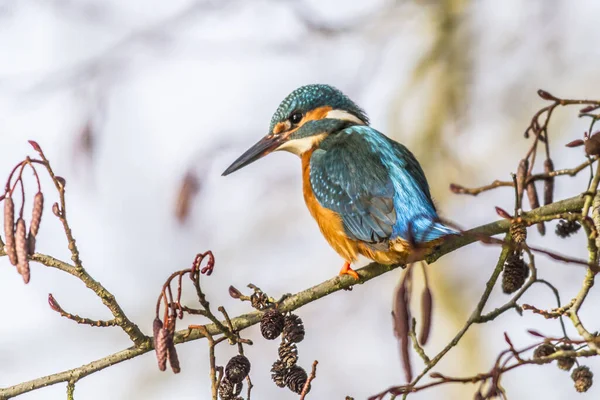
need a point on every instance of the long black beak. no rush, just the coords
(264, 146)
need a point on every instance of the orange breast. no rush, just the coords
(331, 227)
(329, 222)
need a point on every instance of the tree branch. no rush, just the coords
(244, 321)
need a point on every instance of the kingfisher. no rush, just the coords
(367, 192)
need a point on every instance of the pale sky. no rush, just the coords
(179, 85)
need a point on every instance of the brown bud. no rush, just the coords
(160, 345)
(454, 188)
(522, 172)
(56, 210)
(53, 303)
(545, 95)
(588, 109)
(426, 311)
(575, 143)
(9, 230)
(502, 213)
(22, 248)
(36, 218)
(548, 182)
(35, 146)
(61, 182)
(535, 333)
(235, 293)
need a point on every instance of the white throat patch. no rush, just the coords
(299, 146)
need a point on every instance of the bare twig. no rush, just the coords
(80, 320)
(311, 377)
(71, 391)
(459, 189)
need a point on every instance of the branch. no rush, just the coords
(134, 332)
(290, 303)
(313, 375)
(80, 320)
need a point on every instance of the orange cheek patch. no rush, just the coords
(316, 114)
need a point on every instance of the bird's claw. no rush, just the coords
(347, 270)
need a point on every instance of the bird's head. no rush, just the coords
(302, 120)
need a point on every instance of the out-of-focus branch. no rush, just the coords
(290, 303)
(458, 189)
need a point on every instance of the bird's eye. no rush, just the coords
(296, 117)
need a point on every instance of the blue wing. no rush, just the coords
(376, 185)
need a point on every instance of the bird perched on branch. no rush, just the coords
(367, 192)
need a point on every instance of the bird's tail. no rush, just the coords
(425, 229)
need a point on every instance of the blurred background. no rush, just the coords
(130, 99)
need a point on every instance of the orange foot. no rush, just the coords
(347, 270)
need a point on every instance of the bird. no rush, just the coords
(367, 192)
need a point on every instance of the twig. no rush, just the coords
(561, 309)
(80, 320)
(71, 391)
(214, 384)
(459, 189)
(567, 171)
(236, 337)
(413, 336)
(591, 192)
(202, 297)
(312, 376)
